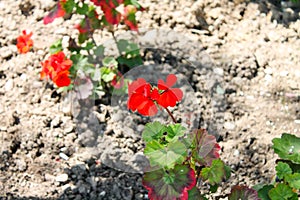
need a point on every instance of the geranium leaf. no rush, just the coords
(107, 74)
(128, 48)
(99, 51)
(110, 62)
(82, 10)
(293, 180)
(215, 173)
(165, 155)
(69, 5)
(287, 147)
(153, 131)
(170, 184)
(283, 169)
(263, 192)
(242, 192)
(194, 193)
(205, 147)
(174, 131)
(56, 47)
(281, 191)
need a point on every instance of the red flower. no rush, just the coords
(129, 17)
(141, 97)
(57, 12)
(118, 81)
(144, 98)
(169, 96)
(24, 42)
(57, 68)
(112, 16)
(62, 79)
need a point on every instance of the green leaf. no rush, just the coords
(204, 147)
(56, 47)
(283, 169)
(293, 180)
(263, 192)
(130, 53)
(169, 184)
(280, 192)
(287, 147)
(83, 10)
(194, 193)
(107, 74)
(82, 37)
(153, 131)
(213, 188)
(215, 173)
(110, 62)
(130, 61)
(227, 171)
(69, 6)
(80, 62)
(242, 193)
(165, 156)
(174, 131)
(99, 51)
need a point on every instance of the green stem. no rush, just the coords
(171, 115)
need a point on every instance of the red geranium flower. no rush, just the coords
(112, 16)
(62, 79)
(144, 98)
(24, 42)
(129, 17)
(141, 97)
(118, 81)
(56, 68)
(57, 12)
(169, 96)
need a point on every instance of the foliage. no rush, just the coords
(287, 170)
(92, 74)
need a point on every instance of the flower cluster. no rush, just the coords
(112, 14)
(57, 12)
(57, 69)
(24, 42)
(144, 98)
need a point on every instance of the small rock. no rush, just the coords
(49, 177)
(268, 70)
(102, 194)
(9, 85)
(229, 126)
(236, 152)
(297, 121)
(61, 178)
(63, 156)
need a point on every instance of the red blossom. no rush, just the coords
(62, 79)
(140, 98)
(145, 98)
(118, 81)
(57, 12)
(57, 68)
(169, 96)
(129, 17)
(24, 42)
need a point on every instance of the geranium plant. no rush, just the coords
(178, 159)
(82, 66)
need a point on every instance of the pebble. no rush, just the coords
(63, 156)
(61, 178)
(229, 126)
(297, 121)
(102, 194)
(9, 85)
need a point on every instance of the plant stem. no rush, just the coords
(173, 118)
(120, 53)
